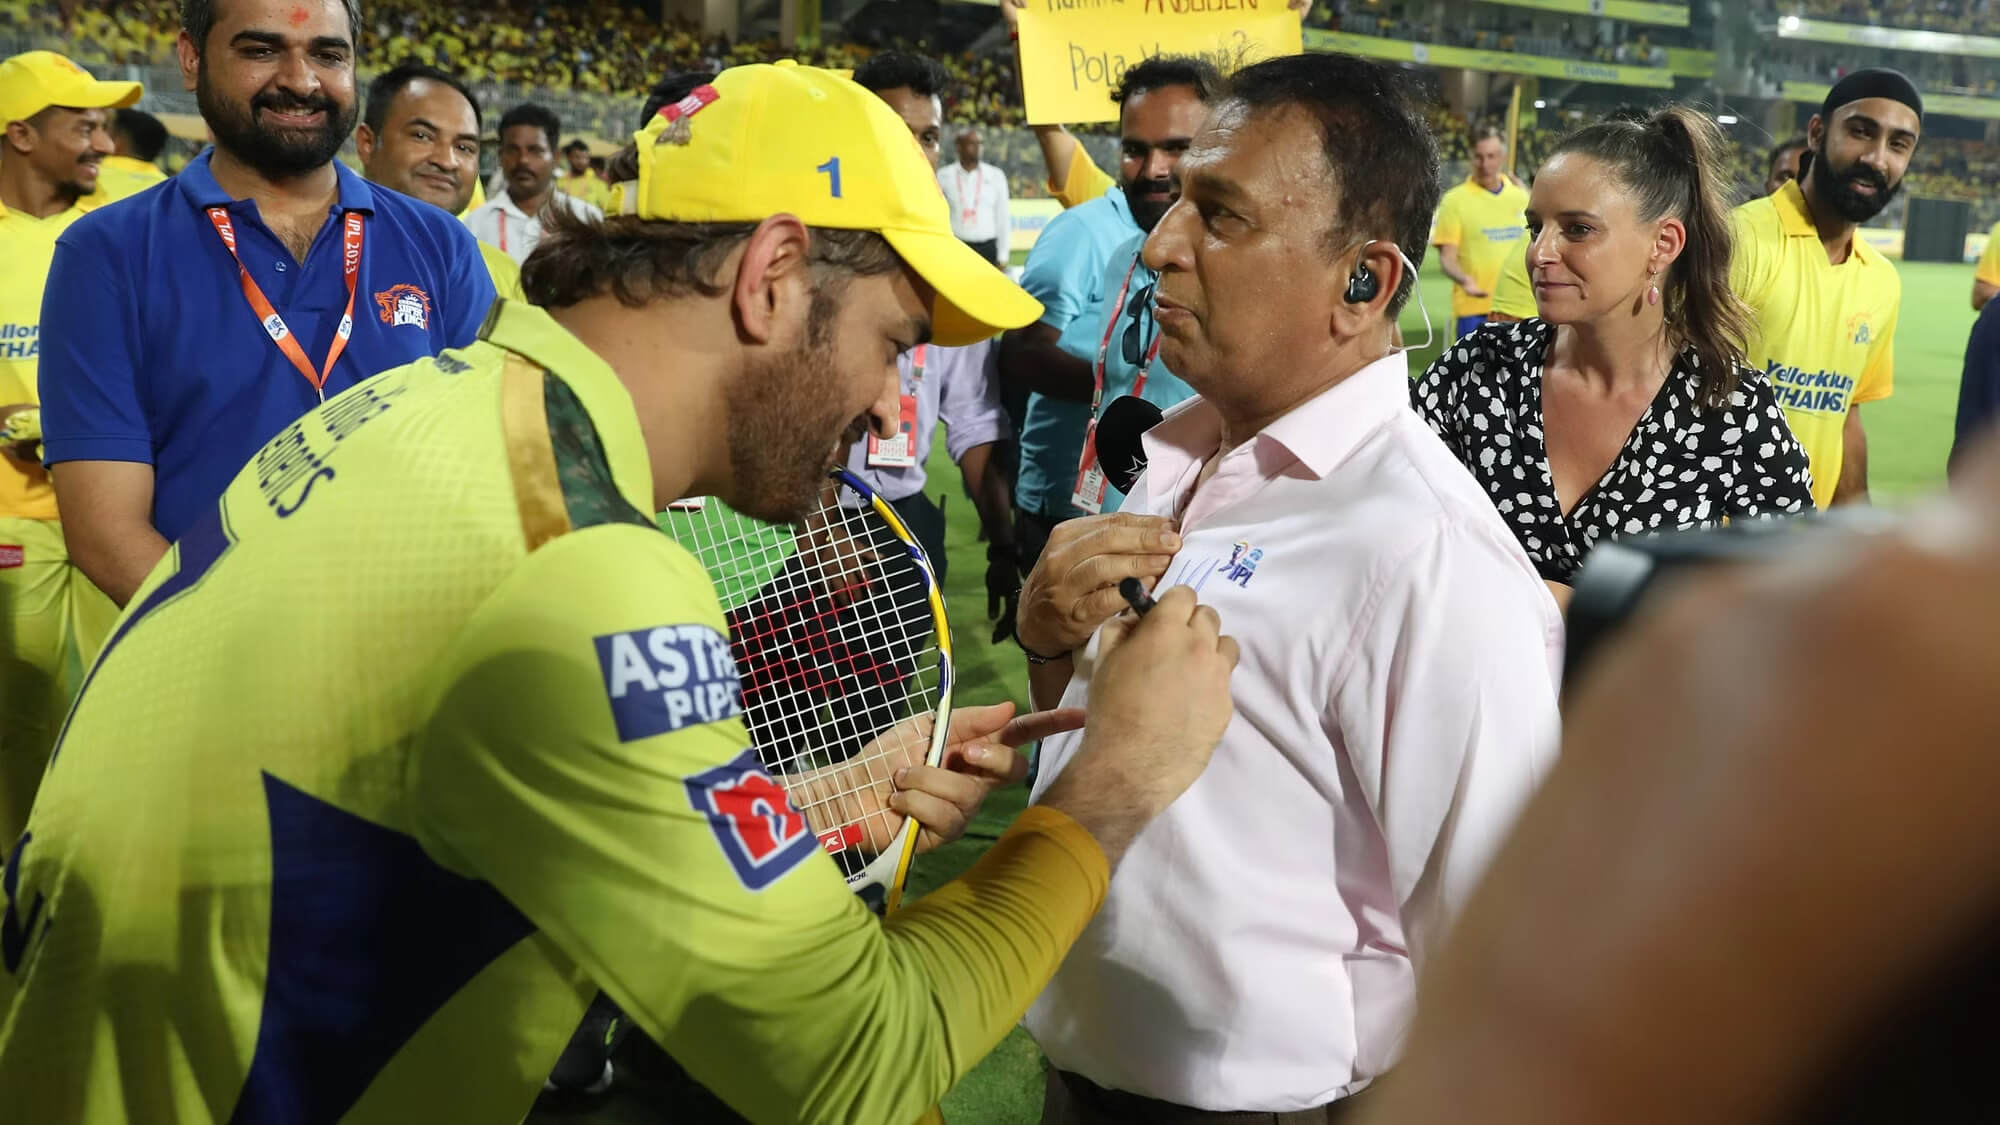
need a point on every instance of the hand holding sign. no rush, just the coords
(1074, 52)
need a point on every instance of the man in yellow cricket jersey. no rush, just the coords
(137, 139)
(1986, 275)
(420, 135)
(1479, 223)
(379, 845)
(54, 118)
(1825, 301)
(579, 179)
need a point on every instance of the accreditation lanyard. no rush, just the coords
(1090, 480)
(969, 208)
(274, 325)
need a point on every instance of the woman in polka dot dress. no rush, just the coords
(1625, 407)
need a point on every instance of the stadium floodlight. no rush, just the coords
(1541, 104)
(1725, 119)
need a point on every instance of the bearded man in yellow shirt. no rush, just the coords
(1826, 302)
(56, 137)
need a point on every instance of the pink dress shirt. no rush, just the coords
(1395, 705)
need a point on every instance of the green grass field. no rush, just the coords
(1908, 437)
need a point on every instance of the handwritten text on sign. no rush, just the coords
(1074, 52)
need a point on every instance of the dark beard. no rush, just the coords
(1146, 212)
(1834, 189)
(782, 426)
(276, 153)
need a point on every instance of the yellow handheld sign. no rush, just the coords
(1073, 52)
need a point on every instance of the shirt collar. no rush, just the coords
(530, 332)
(198, 184)
(505, 202)
(1790, 200)
(1121, 205)
(1317, 434)
(88, 203)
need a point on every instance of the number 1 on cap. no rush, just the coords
(832, 170)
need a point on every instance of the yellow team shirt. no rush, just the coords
(1514, 293)
(1485, 226)
(122, 176)
(478, 197)
(506, 273)
(1824, 334)
(28, 247)
(1988, 269)
(373, 862)
(589, 188)
(1086, 180)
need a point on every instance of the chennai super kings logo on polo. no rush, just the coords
(1857, 328)
(404, 304)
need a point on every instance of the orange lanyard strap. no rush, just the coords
(274, 325)
(978, 186)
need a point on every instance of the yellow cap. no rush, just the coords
(764, 140)
(33, 81)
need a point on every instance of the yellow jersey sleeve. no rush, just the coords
(1988, 269)
(1450, 228)
(1752, 261)
(1086, 180)
(584, 755)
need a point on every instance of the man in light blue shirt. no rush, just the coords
(1163, 102)
(1131, 342)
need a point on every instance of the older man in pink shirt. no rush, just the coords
(1396, 699)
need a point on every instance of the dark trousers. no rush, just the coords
(989, 250)
(1072, 1099)
(1031, 536)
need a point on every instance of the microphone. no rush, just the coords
(1119, 451)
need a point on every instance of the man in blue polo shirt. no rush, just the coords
(1162, 103)
(184, 328)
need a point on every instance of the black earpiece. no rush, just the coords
(1362, 287)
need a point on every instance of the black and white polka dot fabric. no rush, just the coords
(1683, 466)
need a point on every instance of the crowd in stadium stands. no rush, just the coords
(1509, 30)
(1965, 17)
(592, 60)
(1825, 64)
(599, 48)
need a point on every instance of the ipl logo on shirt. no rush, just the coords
(1242, 564)
(404, 304)
(761, 833)
(660, 680)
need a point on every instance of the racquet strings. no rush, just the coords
(835, 644)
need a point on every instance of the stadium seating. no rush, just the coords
(590, 61)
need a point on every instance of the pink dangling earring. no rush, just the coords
(1653, 294)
